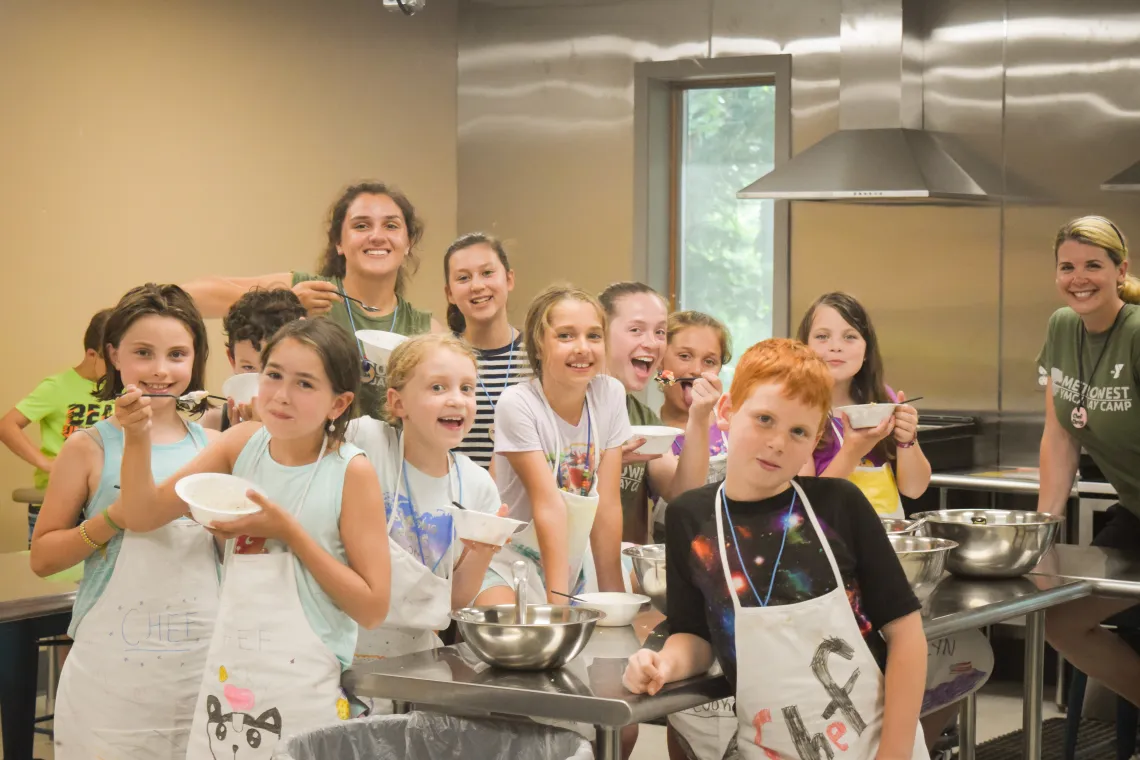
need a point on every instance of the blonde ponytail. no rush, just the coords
(1130, 289)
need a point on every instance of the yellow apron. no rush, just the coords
(877, 483)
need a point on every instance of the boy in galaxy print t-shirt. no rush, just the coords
(819, 631)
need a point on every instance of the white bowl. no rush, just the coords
(241, 387)
(215, 497)
(379, 344)
(658, 438)
(483, 527)
(619, 607)
(866, 415)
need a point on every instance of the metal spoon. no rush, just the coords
(193, 397)
(569, 596)
(363, 305)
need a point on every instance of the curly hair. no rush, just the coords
(258, 314)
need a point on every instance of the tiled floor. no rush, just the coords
(999, 712)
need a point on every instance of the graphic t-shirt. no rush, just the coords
(635, 479)
(62, 404)
(499, 369)
(524, 422)
(1111, 434)
(424, 535)
(349, 315)
(699, 602)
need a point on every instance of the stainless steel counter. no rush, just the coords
(1109, 572)
(23, 594)
(589, 688)
(1011, 480)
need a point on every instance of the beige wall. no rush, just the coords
(159, 141)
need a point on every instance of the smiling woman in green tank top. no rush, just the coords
(368, 261)
(1090, 368)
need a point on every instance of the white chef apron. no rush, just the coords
(580, 512)
(131, 679)
(421, 600)
(268, 675)
(807, 685)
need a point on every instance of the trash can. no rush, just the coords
(433, 736)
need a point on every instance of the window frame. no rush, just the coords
(658, 89)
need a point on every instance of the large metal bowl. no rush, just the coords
(649, 568)
(923, 559)
(994, 543)
(551, 636)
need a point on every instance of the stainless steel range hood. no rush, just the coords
(1128, 181)
(881, 154)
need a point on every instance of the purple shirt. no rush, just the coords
(829, 445)
(717, 443)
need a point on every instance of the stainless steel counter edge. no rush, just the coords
(36, 607)
(996, 613)
(596, 710)
(1013, 485)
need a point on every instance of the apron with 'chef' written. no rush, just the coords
(128, 687)
(807, 685)
(268, 675)
(877, 482)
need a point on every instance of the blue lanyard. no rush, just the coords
(352, 322)
(507, 379)
(412, 505)
(589, 438)
(740, 558)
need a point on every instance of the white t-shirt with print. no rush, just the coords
(525, 422)
(467, 483)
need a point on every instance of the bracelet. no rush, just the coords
(107, 517)
(906, 445)
(87, 539)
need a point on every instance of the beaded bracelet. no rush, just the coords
(87, 539)
(906, 445)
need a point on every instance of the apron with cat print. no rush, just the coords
(128, 689)
(580, 511)
(807, 685)
(421, 599)
(877, 483)
(268, 675)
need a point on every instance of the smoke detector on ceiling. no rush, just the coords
(407, 7)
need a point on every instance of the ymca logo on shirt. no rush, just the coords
(1096, 398)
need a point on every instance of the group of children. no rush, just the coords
(190, 642)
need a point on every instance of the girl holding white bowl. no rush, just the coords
(302, 573)
(431, 406)
(839, 330)
(133, 575)
(369, 259)
(479, 279)
(636, 337)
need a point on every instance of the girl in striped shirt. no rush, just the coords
(479, 279)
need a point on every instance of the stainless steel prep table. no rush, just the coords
(31, 608)
(589, 688)
(1110, 572)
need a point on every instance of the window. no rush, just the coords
(723, 248)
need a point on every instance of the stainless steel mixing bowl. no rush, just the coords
(649, 567)
(923, 560)
(551, 636)
(994, 543)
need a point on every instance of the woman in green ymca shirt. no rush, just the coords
(1090, 367)
(370, 257)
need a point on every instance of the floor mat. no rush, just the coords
(1097, 741)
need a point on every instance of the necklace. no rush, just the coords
(506, 382)
(1080, 415)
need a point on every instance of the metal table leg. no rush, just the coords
(1034, 679)
(941, 498)
(401, 708)
(608, 743)
(967, 727)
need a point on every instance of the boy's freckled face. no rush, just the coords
(770, 436)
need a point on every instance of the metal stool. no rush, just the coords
(53, 667)
(33, 497)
